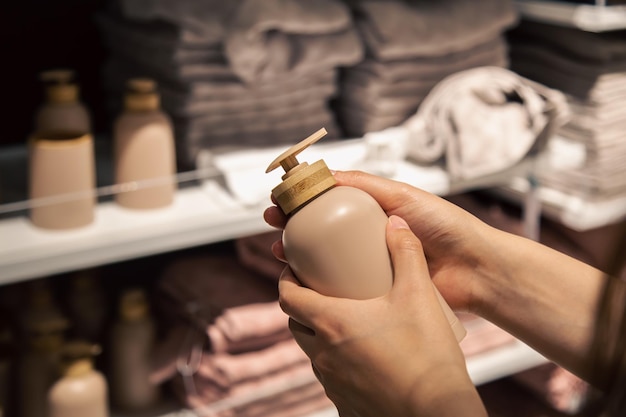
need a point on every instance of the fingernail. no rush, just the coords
(398, 222)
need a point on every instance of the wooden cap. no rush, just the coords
(141, 95)
(60, 86)
(301, 182)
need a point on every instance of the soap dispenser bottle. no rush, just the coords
(62, 112)
(334, 239)
(43, 329)
(144, 148)
(133, 337)
(81, 390)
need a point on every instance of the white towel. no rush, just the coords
(484, 120)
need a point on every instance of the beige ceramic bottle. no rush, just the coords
(44, 328)
(145, 156)
(81, 390)
(132, 340)
(334, 239)
(62, 111)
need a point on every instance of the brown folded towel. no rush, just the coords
(404, 29)
(267, 39)
(156, 41)
(255, 252)
(578, 44)
(200, 22)
(199, 288)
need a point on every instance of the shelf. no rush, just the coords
(227, 201)
(587, 17)
(571, 210)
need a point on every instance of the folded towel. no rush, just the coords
(491, 52)
(157, 41)
(248, 327)
(267, 39)
(403, 29)
(274, 396)
(178, 104)
(200, 22)
(208, 392)
(485, 120)
(255, 252)
(581, 45)
(227, 370)
(199, 288)
(556, 386)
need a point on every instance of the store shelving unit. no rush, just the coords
(225, 202)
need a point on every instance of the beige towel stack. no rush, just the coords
(590, 68)
(410, 46)
(228, 349)
(240, 73)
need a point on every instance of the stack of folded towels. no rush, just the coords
(239, 72)
(228, 350)
(410, 46)
(590, 68)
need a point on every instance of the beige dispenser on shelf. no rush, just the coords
(334, 239)
(43, 327)
(62, 111)
(144, 149)
(133, 337)
(81, 390)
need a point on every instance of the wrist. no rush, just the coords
(452, 396)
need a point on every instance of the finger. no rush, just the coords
(275, 217)
(298, 302)
(304, 337)
(278, 250)
(386, 191)
(407, 257)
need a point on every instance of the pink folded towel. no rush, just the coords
(227, 370)
(248, 327)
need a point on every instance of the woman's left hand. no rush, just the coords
(394, 355)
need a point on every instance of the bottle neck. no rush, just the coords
(78, 368)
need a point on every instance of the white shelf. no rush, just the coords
(571, 210)
(587, 17)
(226, 204)
(199, 215)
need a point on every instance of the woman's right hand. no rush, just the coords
(456, 243)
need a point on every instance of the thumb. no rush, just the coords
(407, 257)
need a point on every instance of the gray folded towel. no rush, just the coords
(578, 44)
(158, 42)
(182, 105)
(492, 52)
(201, 23)
(484, 120)
(603, 89)
(401, 29)
(269, 38)
(189, 144)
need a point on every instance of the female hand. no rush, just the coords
(394, 355)
(454, 241)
